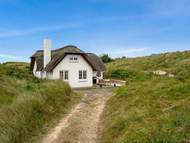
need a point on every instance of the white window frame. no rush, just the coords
(73, 59)
(64, 75)
(82, 74)
(61, 75)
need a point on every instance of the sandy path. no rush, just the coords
(82, 123)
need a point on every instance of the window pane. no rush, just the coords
(80, 74)
(84, 74)
(66, 75)
(61, 75)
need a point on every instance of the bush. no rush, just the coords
(122, 74)
(105, 58)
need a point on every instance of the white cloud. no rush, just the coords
(13, 33)
(68, 25)
(129, 52)
(10, 57)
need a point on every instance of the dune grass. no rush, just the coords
(15, 78)
(150, 108)
(176, 63)
(28, 106)
(153, 111)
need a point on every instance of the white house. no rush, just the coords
(69, 63)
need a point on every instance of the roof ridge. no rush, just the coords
(67, 46)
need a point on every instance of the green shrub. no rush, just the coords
(131, 75)
(122, 74)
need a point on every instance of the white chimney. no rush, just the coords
(47, 51)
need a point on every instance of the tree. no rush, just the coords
(105, 58)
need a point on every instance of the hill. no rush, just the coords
(29, 106)
(150, 108)
(176, 63)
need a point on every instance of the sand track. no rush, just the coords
(81, 125)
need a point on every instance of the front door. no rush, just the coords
(94, 80)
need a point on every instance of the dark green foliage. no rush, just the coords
(105, 58)
(122, 74)
(130, 75)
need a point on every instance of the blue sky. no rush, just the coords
(118, 27)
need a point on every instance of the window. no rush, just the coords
(73, 59)
(64, 75)
(82, 74)
(61, 75)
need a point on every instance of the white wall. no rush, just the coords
(37, 74)
(73, 68)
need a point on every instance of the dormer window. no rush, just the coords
(73, 59)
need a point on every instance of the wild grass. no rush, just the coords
(177, 63)
(153, 110)
(28, 106)
(15, 78)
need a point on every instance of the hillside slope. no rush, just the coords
(176, 63)
(150, 108)
(29, 106)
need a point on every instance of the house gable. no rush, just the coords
(50, 67)
(73, 64)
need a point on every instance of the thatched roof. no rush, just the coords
(57, 56)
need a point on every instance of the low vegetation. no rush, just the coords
(174, 63)
(29, 106)
(150, 108)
